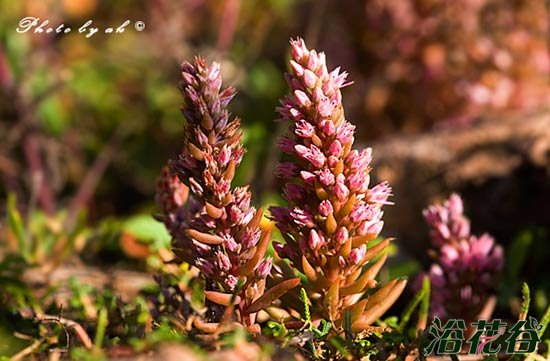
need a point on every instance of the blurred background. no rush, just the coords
(452, 95)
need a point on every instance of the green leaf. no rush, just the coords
(526, 295)
(425, 305)
(146, 228)
(407, 312)
(544, 322)
(323, 329)
(15, 224)
(305, 301)
(277, 329)
(102, 321)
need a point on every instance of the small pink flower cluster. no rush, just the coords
(332, 213)
(218, 231)
(466, 266)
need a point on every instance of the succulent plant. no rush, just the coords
(217, 231)
(332, 218)
(466, 267)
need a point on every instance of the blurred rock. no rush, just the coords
(500, 166)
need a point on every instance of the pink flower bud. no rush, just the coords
(250, 237)
(302, 150)
(235, 213)
(342, 235)
(345, 132)
(443, 230)
(325, 107)
(298, 49)
(302, 99)
(317, 95)
(312, 60)
(307, 177)
(231, 282)
(205, 266)
(224, 156)
(357, 254)
(360, 212)
(302, 218)
(332, 161)
(358, 181)
(247, 217)
(325, 208)
(375, 228)
(223, 261)
(189, 79)
(304, 129)
(380, 193)
(295, 114)
(297, 68)
(264, 268)
(314, 241)
(311, 154)
(342, 262)
(309, 78)
(230, 243)
(326, 177)
(431, 215)
(341, 191)
(449, 255)
(461, 227)
(335, 149)
(455, 205)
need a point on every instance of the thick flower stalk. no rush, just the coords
(217, 231)
(332, 215)
(466, 267)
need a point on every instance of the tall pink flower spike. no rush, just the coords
(217, 231)
(332, 215)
